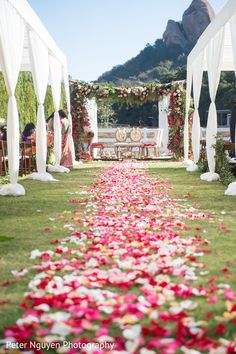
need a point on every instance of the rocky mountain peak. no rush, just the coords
(194, 21)
(178, 40)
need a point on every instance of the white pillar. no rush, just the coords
(163, 105)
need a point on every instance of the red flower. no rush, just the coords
(84, 155)
(220, 329)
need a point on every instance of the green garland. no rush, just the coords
(151, 92)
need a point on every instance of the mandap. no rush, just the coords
(214, 52)
(25, 45)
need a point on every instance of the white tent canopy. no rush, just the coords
(25, 45)
(214, 52)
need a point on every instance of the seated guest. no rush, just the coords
(232, 122)
(29, 136)
(86, 152)
(3, 133)
(87, 141)
(29, 133)
(232, 127)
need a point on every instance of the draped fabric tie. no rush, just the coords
(41, 140)
(211, 136)
(41, 148)
(13, 148)
(186, 138)
(214, 55)
(196, 129)
(163, 121)
(186, 125)
(13, 140)
(71, 141)
(57, 137)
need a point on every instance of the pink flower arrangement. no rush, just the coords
(151, 92)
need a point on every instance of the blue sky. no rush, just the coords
(96, 35)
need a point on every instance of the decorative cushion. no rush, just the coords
(97, 145)
(148, 144)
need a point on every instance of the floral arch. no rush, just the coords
(151, 92)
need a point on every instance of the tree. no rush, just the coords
(106, 113)
(26, 100)
(3, 99)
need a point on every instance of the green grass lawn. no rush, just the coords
(208, 197)
(26, 225)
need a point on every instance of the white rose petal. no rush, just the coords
(92, 263)
(27, 320)
(189, 351)
(42, 307)
(34, 254)
(132, 332)
(61, 328)
(146, 351)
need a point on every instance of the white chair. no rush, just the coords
(156, 145)
(128, 148)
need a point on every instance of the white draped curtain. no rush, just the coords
(231, 190)
(91, 107)
(214, 57)
(233, 37)
(40, 73)
(186, 125)
(196, 129)
(163, 105)
(12, 30)
(67, 93)
(92, 115)
(56, 76)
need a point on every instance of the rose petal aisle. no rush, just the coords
(125, 278)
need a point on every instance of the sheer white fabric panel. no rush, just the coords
(40, 72)
(163, 105)
(67, 92)
(91, 107)
(92, 112)
(12, 30)
(94, 123)
(233, 37)
(56, 75)
(186, 125)
(57, 137)
(197, 83)
(214, 57)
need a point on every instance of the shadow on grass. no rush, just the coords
(5, 238)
